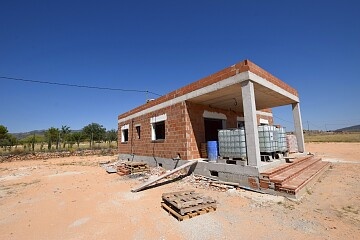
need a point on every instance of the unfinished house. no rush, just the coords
(180, 124)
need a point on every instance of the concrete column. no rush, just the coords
(252, 136)
(298, 126)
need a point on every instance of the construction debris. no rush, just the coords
(152, 175)
(157, 171)
(111, 167)
(151, 181)
(209, 183)
(187, 204)
(127, 168)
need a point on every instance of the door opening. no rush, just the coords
(211, 128)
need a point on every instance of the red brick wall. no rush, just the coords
(175, 140)
(184, 131)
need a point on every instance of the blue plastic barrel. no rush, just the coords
(212, 150)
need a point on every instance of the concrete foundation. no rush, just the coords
(246, 176)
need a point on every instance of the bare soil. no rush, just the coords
(74, 198)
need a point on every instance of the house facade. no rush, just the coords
(178, 123)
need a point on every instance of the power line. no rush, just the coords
(282, 119)
(78, 86)
(315, 125)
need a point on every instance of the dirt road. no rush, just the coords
(74, 198)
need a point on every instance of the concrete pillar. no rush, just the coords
(252, 136)
(298, 126)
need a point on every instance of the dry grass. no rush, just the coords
(83, 145)
(332, 137)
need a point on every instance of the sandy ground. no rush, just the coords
(74, 198)
(335, 152)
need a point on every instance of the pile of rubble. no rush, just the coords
(192, 180)
(182, 176)
(202, 182)
(59, 154)
(157, 171)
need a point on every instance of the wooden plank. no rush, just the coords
(190, 206)
(180, 204)
(187, 215)
(148, 183)
(186, 199)
(197, 208)
(173, 212)
(183, 197)
(178, 193)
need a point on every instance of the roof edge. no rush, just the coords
(243, 66)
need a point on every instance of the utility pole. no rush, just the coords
(33, 143)
(92, 139)
(308, 126)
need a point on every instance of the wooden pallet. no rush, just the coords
(188, 215)
(187, 202)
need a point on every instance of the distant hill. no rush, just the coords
(25, 134)
(37, 132)
(355, 128)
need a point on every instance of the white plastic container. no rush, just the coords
(232, 143)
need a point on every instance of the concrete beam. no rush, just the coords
(199, 92)
(298, 126)
(273, 87)
(238, 78)
(252, 136)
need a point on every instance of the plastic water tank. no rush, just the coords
(212, 150)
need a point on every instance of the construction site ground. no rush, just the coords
(74, 198)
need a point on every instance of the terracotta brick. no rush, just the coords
(253, 182)
(264, 184)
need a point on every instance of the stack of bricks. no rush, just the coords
(291, 142)
(132, 167)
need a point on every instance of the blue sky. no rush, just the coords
(160, 46)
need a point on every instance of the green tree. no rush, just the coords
(95, 132)
(6, 139)
(3, 131)
(13, 140)
(111, 136)
(65, 130)
(52, 135)
(76, 137)
(33, 143)
(31, 140)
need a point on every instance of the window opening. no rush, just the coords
(158, 130)
(125, 135)
(138, 131)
